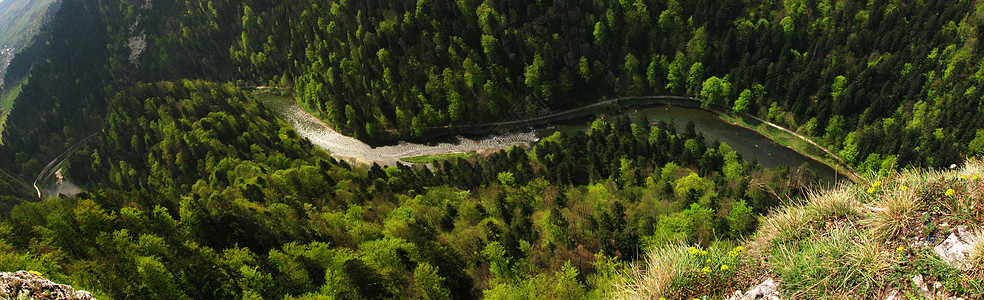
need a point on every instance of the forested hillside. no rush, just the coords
(194, 190)
(205, 197)
(20, 20)
(882, 83)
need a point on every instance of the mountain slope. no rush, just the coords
(884, 85)
(858, 241)
(20, 20)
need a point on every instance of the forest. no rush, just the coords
(195, 190)
(223, 201)
(888, 83)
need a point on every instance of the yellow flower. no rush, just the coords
(871, 190)
(702, 252)
(739, 249)
(905, 188)
(706, 270)
(662, 298)
(976, 177)
(949, 192)
(724, 267)
(900, 249)
(708, 260)
(694, 251)
(963, 176)
(876, 184)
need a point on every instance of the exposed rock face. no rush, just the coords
(934, 292)
(29, 285)
(956, 249)
(768, 290)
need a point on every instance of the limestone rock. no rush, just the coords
(894, 295)
(29, 285)
(768, 290)
(936, 292)
(956, 249)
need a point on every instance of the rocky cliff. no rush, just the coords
(30, 285)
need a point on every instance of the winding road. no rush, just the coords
(56, 163)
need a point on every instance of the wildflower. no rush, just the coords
(949, 192)
(694, 251)
(706, 270)
(708, 260)
(976, 177)
(876, 184)
(905, 188)
(963, 176)
(871, 190)
(724, 267)
(662, 298)
(900, 249)
(703, 252)
(738, 249)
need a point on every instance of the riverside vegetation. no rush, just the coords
(224, 201)
(194, 190)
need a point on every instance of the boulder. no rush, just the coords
(30, 285)
(768, 290)
(956, 249)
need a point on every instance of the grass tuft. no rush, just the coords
(650, 279)
(855, 241)
(893, 215)
(681, 272)
(785, 224)
(834, 204)
(977, 258)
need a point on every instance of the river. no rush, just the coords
(750, 144)
(342, 146)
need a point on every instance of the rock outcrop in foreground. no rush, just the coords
(30, 285)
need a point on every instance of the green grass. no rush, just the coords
(423, 159)
(7, 103)
(20, 21)
(856, 241)
(7, 99)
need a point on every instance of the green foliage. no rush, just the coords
(506, 178)
(192, 182)
(977, 144)
(740, 218)
(429, 283)
(741, 105)
(715, 91)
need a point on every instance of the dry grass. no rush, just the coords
(977, 258)
(833, 204)
(893, 215)
(868, 256)
(654, 275)
(855, 241)
(784, 224)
